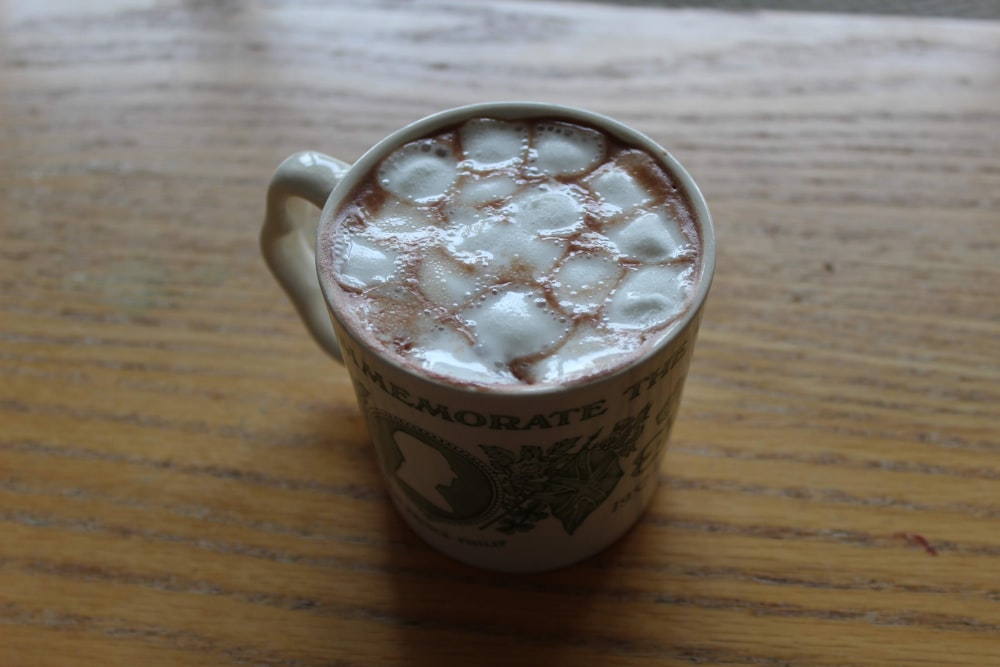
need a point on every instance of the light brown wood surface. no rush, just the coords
(185, 478)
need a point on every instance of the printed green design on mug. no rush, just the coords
(567, 481)
(516, 490)
(444, 482)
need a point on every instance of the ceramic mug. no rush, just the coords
(524, 479)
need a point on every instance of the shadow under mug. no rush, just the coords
(513, 479)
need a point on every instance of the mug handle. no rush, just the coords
(284, 243)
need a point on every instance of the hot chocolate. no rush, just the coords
(504, 253)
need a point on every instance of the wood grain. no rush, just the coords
(185, 479)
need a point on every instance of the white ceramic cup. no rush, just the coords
(518, 480)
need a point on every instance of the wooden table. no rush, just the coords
(185, 478)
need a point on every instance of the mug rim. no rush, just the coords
(511, 110)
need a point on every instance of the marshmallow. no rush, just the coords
(420, 171)
(513, 324)
(389, 306)
(362, 263)
(481, 191)
(582, 282)
(502, 248)
(441, 349)
(584, 350)
(402, 221)
(563, 150)
(618, 190)
(546, 211)
(649, 297)
(489, 143)
(446, 281)
(652, 237)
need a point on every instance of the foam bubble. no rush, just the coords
(651, 237)
(583, 280)
(446, 281)
(618, 189)
(562, 150)
(546, 211)
(584, 350)
(488, 143)
(648, 297)
(363, 263)
(513, 324)
(420, 171)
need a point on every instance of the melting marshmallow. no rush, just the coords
(402, 221)
(584, 279)
(513, 324)
(480, 191)
(648, 297)
(652, 237)
(488, 143)
(389, 307)
(546, 211)
(618, 189)
(419, 171)
(563, 150)
(446, 281)
(501, 248)
(364, 264)
(586, 348)
(443, 350)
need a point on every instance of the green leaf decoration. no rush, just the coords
(564, 480)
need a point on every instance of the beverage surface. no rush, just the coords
(503, 253)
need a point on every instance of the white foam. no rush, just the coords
(564, 150)
(582, 281)
(546, 210)
(480, 191)
(648, 297)
(362, 263)
(514, 323)
(651, 237)
(489, 143)
(446, 281)
(618, 189)
(420, 171)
